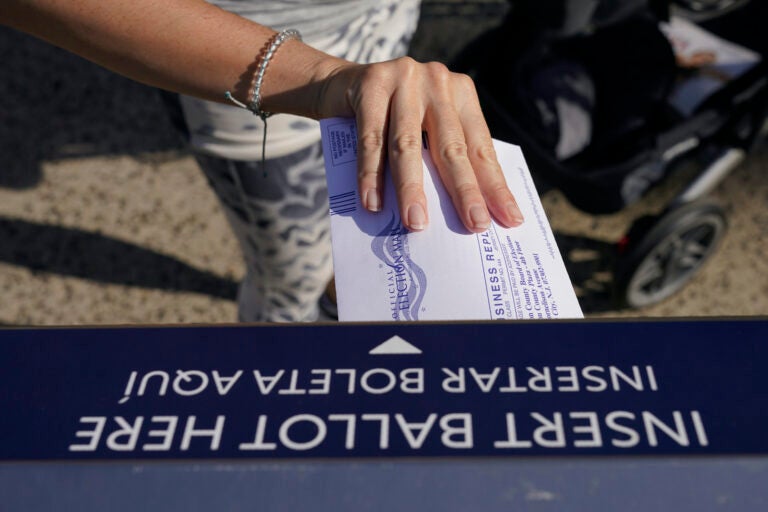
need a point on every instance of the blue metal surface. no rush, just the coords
(537, 416)
(540, 484)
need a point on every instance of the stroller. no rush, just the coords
(594, 92)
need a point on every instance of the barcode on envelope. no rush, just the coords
(345, 202)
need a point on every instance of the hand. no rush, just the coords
(393, 102)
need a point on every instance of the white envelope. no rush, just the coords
(383, 272)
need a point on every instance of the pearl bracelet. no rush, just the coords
(254, 96)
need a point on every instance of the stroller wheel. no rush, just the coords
(660, 257)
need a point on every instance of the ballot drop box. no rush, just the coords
(563, 415)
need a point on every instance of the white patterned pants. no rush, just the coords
(279, 214)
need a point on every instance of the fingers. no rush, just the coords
(372, 116)
(485, 165)
(371, 131)
(393, 103)
(448, 148)
(461, 146)
(389, 116)
(405, 158)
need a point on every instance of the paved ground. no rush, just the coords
(104, 218)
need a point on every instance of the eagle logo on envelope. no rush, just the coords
(406, 281)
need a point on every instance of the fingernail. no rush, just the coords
(372, 200)
(417, 218)
(514, 214)
(479, 217)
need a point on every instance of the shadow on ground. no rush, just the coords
(590, 264)
(100, 258)
(55, 105)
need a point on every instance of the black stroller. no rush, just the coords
(588, 89)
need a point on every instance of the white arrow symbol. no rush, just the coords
(395, 345)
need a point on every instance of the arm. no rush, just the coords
(194, 48)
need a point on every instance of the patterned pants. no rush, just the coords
(279, 214)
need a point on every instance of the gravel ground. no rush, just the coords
(105, 219)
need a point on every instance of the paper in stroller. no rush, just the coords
(709, 62)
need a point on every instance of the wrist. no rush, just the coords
(305, 81)
(331, 91)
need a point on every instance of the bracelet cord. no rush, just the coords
(254, 95)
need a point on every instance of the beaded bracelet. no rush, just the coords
(254, 96)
